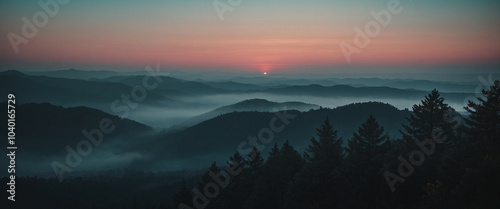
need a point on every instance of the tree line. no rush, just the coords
(443, 160)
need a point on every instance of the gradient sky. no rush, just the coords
(257, 36)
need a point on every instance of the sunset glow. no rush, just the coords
(256, 36)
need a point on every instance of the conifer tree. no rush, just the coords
(205, 179)
(274, 157)
(317, 184)
(183, 197)
(291, 162)
(254, 161)
(234, 194)
(369, 142)
(364, 164)
(275, 178)
(484, 116)
(237, 161)
(426, 117)
(326, 152)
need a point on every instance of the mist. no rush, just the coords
(165, 117)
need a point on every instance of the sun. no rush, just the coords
(264, 69)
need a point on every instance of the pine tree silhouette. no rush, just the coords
(426, 117)
(364, 164)
(183, 197)
(484, 116)
(317, 184)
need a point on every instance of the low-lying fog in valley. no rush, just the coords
(176, 106)
(164, 117)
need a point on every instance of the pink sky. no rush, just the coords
(262, 43)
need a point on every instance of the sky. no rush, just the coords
(255, 36)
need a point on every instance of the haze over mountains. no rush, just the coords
(258, 105)
(188, 122)
(352, 75)
(219, 137)
(228, 104)
(49, 129)
(226, 80)
(177, 100)
(206, 117)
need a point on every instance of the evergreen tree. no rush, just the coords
(426, 120)
(205, 179)
(274, 157)
(479, 159)
(364, 164)
(265, 186)
(317, 184)
(237, 161)
(484, 116)
(241, 186)
(183, 197)
(234, 194)
(426, 117)
(326, 152)
(275, 177)
(369, 143)
(254, 161)
(290, 162)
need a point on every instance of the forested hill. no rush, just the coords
(47, 121)
(259, 105)
(44, 131)
(221, 135)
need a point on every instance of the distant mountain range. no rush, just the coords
(36, 88)
(75, 74)
(43, 131)
(430, 85)
(258, 105)
(49, 122)
(217, 138)
(175, 100)
(424, 85)
(67, 92)
(85, 74)
(234, 86)
(47, 129)
(362, 92)
(171, 85)
(231, 81)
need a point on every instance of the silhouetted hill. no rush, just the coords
(278, 81)
(361, 92)
(423, 85)
(234, 86)
(344, 91)
(429, 85)
(219, 137)
(259, 105)
(67, 92)
(48, 129)
(235, 82)
(174, 85)
(47, 121)
(44, 130)
(75, 74)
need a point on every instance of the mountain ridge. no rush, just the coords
(258, 105)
